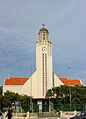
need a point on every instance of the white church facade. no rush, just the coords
(43, 78)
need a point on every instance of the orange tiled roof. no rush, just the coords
(68, 82)
(15, 81)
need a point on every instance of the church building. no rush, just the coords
(43, 78)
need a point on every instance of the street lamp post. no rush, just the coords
(31, 91)
(69, 86)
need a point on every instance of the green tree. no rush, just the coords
(9, 99)
(1, 90)
(61, 95)
(25, 102)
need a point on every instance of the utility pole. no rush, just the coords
(31, 92)
(69, 85)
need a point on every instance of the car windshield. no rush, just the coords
(84, 114)
(81, 114)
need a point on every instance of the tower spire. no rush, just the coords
(43, 25)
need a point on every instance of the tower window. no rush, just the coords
(43, 38)
(43, 34)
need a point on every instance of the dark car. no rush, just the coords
(80, 116)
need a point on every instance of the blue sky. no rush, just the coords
(20, 22)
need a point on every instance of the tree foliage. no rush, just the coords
(1, 90)
(8, 100)
(61, 95)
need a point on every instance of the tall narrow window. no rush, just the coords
(43, 71)
(46, 71)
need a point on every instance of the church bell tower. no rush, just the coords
(44, 62)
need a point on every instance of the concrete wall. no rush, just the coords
(68, 114)
(57, 81)
(22, 115)
(12, 88)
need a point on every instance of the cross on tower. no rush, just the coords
(43, 25)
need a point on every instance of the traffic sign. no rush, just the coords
(17, 103)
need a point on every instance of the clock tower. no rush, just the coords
(43, 78)
(44, 63)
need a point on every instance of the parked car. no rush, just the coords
(1, 116)
(80, 116)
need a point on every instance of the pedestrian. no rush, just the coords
(1, 116)
(9, 115)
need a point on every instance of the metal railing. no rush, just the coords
(45, 108)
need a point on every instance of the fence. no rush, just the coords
(46, 108)
(72, 107)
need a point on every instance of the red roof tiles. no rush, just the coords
(21, 81)
(15, 81)
(68, 82)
